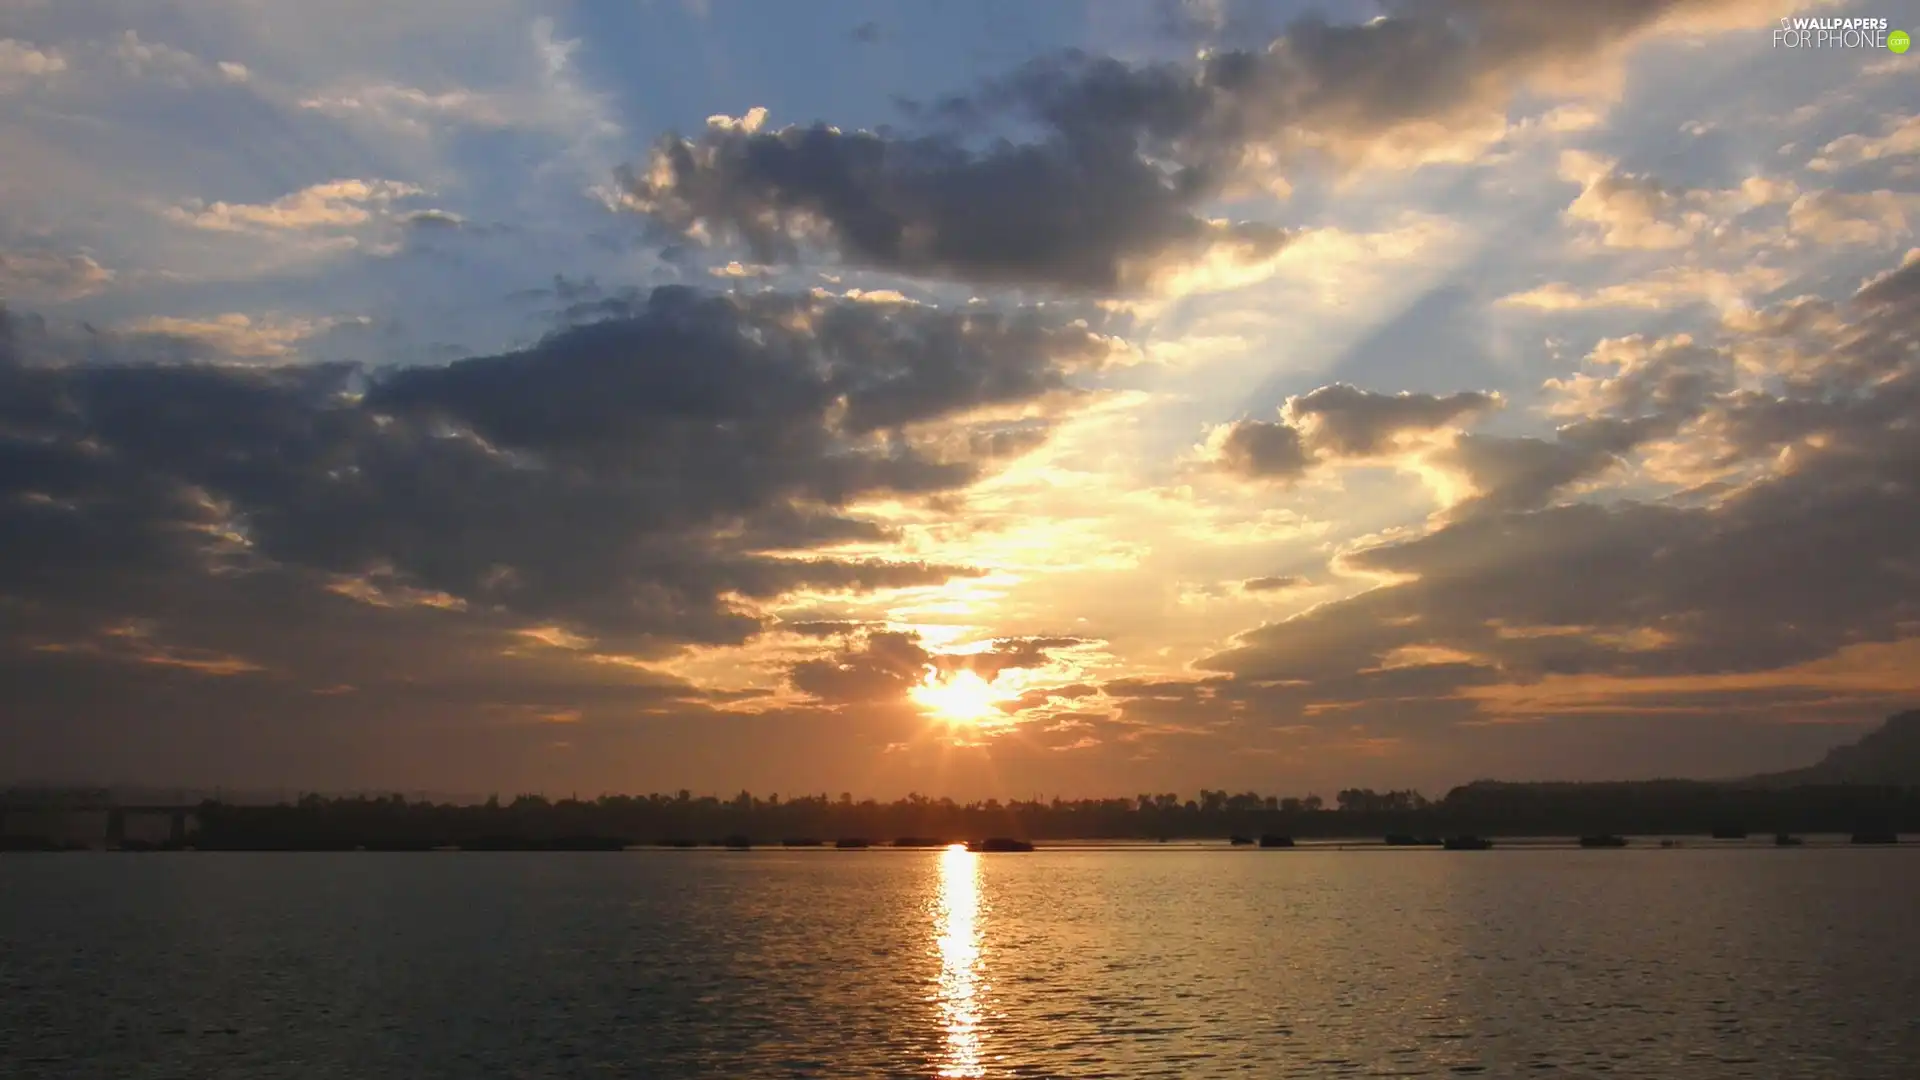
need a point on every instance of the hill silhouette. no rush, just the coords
(1888, 755)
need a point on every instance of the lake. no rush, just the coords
(1688, 963)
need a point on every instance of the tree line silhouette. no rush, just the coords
(1485, 808)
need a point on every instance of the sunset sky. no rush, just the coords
(981, 399)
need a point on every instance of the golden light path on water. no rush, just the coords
(956, 922)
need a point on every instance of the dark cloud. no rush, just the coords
(1805, 552)
(424, 226)
(1337, 422)
(1009, 653)
(434, 219)
(1348, 422)
(1035, 699)
(1783, 572)
(1897, 289)
(1264, 450)
(1109, 192)
(820, 628)
(1275, 583)
(1649, 389)
(882, 665)
(1086, 216)
(1522, 473)
(638, 484)
(1665, 377)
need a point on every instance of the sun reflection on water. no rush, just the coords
(956, 921)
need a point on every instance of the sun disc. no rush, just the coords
(961, 698)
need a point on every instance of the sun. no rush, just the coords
(961, 698)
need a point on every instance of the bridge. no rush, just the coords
(104, 823)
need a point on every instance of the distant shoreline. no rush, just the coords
(1518, 815)
(1083, 845)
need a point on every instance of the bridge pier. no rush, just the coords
(97, 824)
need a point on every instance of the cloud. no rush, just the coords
(334, 204)
(1670, 288)
(1647, 389)
(1110, 195)
(1631, 211)
(235, 334)
(50, 276)
(1866, 218)
(1644, 376)
(1507, 474)
(1337, 423)
(1899, 139)
(435, 219)
(1260, 450)
(22, 64)
(881, 667)
(1092, 218)
(647, 481)
(1275, 583)
(1803, 559)
(324, 220)
(1636, 211)
(1343, 421)
(1895, 290)
(411, 109)
(131, 642)
(171, 66)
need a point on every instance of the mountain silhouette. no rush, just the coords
(1888, 755)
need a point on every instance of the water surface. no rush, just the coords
(1690, 963)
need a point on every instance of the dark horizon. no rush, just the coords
(1869, 814)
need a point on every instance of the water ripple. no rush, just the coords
(950, 964)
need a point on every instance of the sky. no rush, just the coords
(987, 399)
